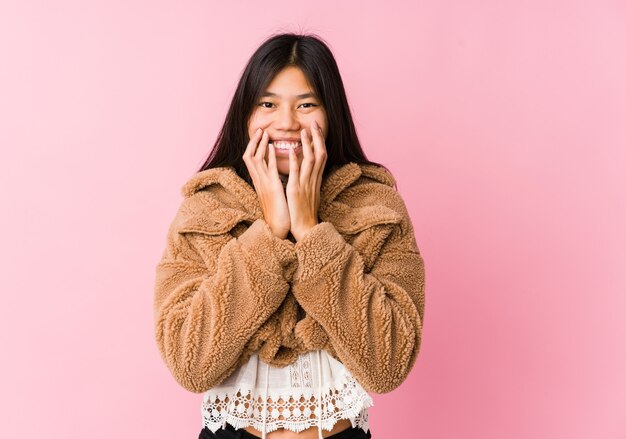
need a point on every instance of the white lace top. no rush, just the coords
(316, 390)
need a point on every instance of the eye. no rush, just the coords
(261, 104)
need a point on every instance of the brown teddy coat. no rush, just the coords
(226, 286)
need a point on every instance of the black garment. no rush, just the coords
(231, 433)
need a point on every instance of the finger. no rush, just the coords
(319, 150)
(307, 156)
(260, 153)
(318, 140)
(252, 144)
(294, 172)
(318, 185)
(249, 152)
(271, 161)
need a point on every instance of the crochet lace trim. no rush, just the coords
(296, 411)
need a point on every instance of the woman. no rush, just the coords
(291, 283)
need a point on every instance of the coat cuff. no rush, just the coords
(268, 251)
(317, 248)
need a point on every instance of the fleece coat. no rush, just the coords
(227, 287)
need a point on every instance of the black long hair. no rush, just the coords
(311, 54)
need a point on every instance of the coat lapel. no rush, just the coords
(232, 201)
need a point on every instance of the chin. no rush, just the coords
(283, 165)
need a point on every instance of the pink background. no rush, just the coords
(504, 123)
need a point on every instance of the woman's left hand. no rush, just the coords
(303, 186)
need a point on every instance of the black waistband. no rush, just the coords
(349, 433)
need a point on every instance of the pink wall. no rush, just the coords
(503, 122)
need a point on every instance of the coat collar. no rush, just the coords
(348, 216)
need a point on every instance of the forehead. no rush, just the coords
(289, 83)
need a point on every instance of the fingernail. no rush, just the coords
(315, 124)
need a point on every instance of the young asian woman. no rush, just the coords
(291, 284)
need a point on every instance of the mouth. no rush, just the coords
(282, 147)
(285, 145)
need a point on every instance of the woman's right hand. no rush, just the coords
(267, 183)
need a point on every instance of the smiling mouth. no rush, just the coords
(285, 146)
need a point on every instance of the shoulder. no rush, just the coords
(214, 200)
(378, 174)
(375, 186)
(358, 196)
(204, 180)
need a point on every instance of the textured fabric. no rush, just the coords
(227, 287)
(316, 390)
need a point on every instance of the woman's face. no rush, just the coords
(284, 109)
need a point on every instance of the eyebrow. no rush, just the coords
(302, 96)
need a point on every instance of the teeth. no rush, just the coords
(285, 145)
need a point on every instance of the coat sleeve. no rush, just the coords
(212, 292)
(373, 318)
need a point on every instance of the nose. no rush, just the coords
(286, 120)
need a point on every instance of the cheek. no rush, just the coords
(255, 123)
